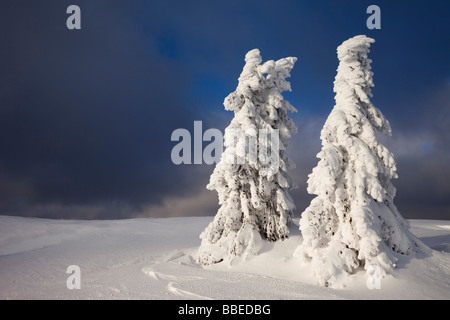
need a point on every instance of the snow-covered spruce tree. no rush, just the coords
(353, 222)
(251, 179)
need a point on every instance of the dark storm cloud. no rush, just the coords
(85, 116)
(421, 143)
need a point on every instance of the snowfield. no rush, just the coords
(155, 259)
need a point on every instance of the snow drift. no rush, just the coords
(155, 259)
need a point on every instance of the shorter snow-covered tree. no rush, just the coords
(251, 179)
(353, 222)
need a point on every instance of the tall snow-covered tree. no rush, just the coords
(251, 178)
(353, 222)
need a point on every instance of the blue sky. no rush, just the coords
(86, 115)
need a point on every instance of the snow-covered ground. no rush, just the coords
(155, 259)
